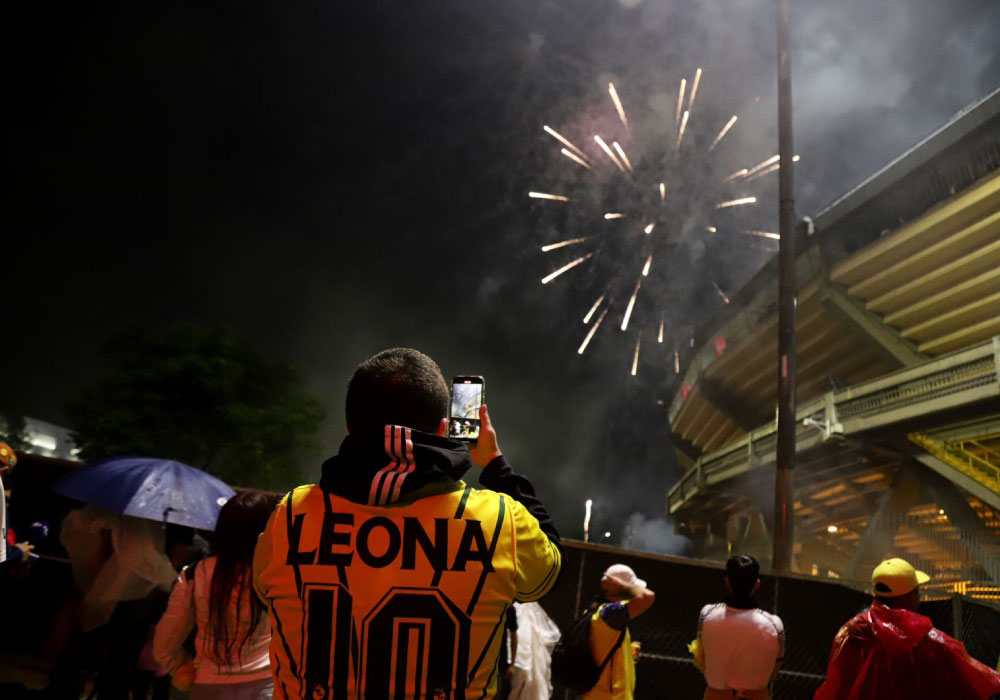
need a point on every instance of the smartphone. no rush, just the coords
(466, 400)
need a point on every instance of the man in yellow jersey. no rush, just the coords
(626, 597)
(392, 577)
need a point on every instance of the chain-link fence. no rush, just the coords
(812, 610)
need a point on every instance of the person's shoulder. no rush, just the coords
(303, 496)
(711, 608)
(772, 619)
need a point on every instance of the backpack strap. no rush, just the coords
(614, 648)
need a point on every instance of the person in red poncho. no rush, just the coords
(889, 652)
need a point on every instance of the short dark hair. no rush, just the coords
(742, 572)
(399, 386)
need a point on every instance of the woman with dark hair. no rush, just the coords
(216, 595)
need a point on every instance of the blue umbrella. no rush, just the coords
(154, 489)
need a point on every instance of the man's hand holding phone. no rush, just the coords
(485, 449)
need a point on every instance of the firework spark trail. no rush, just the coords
(721, 293)
(611, 155)
(769, 169)
(722, 134)
(663, 191)
(736, 202)
(635, 360)
(590, 314)
(621, 153)
(766, 171)
(659, 338)
(645, 268)
(614, 215)
(574, 157)
(561, 244)
(562, 139)
(564, 268)
(694, 89)
(680, 99)
(649, 228)
(544, 195)
(763, 234)
(711, 229)
(590, 334)
(739, 173)
(760, 166)
(631, 304)
(684, 123)
(618, 106)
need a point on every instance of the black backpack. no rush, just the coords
(573, 665)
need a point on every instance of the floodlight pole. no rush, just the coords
(784, 515)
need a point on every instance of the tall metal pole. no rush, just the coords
(784, 534)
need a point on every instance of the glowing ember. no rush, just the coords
(711, 229)
(736, 202)
(739, 173)
(590, 334)
(561, 244)
(694, 88)
(659, 338)
(663, 191)
(614, 215)
(635, 360)
(543, 195)
(680, 99)
(764, 234)
(611, 155)
(721, 293)
(562, 139)
(725, 130)
(645, 268)
(564, 268)
(590, 314)
(649, 229)
(621, 154)
(631, 304)
(684, 123)
(574, 157)
(618, 105)
(677, 361)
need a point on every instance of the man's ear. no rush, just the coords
(442, 429)
(756, 586)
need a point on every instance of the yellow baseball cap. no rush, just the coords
(896, 577)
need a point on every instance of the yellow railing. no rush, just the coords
(955, 454)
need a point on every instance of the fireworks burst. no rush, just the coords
(636, 199)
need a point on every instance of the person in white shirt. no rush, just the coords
(742, 646)
(233, 636)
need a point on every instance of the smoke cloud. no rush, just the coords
(655, 535)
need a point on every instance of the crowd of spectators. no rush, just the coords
(394, 577)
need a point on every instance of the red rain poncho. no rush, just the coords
(886, 654)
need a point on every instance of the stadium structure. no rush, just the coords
(898, 391)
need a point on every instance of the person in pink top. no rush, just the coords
(216, 596)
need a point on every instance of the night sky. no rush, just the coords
(334, 178)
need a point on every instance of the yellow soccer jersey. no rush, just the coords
(617, 681)
(405, 601)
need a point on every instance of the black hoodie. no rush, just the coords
(362, 469)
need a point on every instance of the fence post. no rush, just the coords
(957, 625)
(579, 594)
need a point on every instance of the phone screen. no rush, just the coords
(466, 400)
